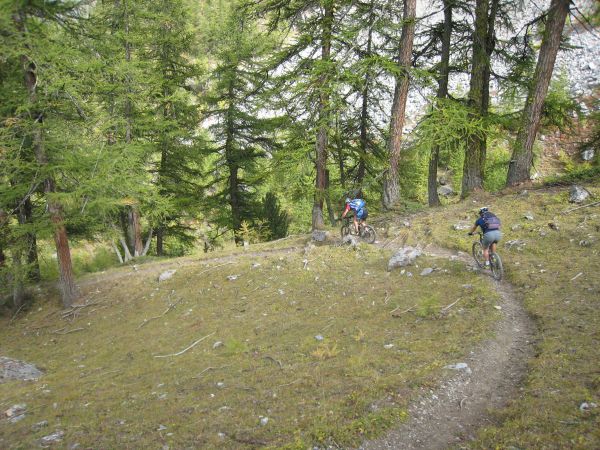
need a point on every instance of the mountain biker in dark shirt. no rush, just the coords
(490, 225)
(359, 206)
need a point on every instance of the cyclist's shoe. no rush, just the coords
(487, 264)
(470, 233)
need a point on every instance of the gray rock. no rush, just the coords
(12, 369)
(38, 426)
(15, 410)
(319, 235)
(528, 215)
(459, 366)
(446, 191)
(16, 419)
(515, 227)
(588, 154)
(350, 240)
(577, 194)
(167, 274)
(404, 257)
(462, 226)
(232, 277)
(426, 271)
(57, 436)
(319, 337)
(218, 344)
(515, 243)
(585, 406)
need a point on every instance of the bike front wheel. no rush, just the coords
(368, 234)
(345, 231)
(496, 266)
(478, 254)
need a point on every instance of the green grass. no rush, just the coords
(559, 282)
(105, 388)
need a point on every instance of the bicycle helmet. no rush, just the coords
(348, 200)
(483, 210)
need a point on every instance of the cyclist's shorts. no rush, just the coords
(362, 214)
(491, 236)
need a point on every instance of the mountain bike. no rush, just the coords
(365, 232)
(494, 258)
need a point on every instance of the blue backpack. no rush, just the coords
(357, 204)
(491, 221)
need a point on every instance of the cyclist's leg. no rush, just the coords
(355, 224)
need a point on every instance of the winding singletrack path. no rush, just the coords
(462, 403)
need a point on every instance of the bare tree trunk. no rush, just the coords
(159, 242)
(442, 92)
(519, 169)
(391, 185)
(324, 115)
(68, 288)
(18, 288)
(117, 251)
(126, 251)
(475, 152)
(147, 244)
(364, 112)
(24, 215)
(135, 228)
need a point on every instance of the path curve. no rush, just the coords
(462, 403)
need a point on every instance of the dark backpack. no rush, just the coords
(491, 221)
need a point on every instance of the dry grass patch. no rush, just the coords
(292, 356)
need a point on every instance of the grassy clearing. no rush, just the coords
(557, 273)
(105, 387)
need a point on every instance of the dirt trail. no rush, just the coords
(453, 412)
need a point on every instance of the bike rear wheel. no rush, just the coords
(496, 266)
(368, 234)
(478, 254)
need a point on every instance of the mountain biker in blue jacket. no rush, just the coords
(359, 206)
(490, 225)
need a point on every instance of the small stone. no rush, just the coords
(515, 227)
(38, 426)
(221, 435)
(281, 291)
(498, 307)
(319, 235)
(528, 216)
(588, 154)
(16, 419)
(15, 410)
(459, 366)
(166, 275)
(467, 286)
(585, 406)
(161, 428)
(426, 271)
(57, 436)
(218, 344)
(388, 346)
(319, 337)
(255, 265)
(462, 226)
(446, 191)
(577, 194)
(220, 385)
(232, 277)
(264, 421)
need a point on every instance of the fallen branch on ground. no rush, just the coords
(403, 312)
(67, 332)
(211, 368)
(215, 267)
(445, 308)
(270, 358)
(185, 349)
(171, 306)
(579, 207)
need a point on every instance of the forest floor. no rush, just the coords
(297, 345)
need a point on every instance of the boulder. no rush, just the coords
(446, 191)
(167, 274)
(577, 194)
(350, 240)
(404, 257)
(319, 236)
(12, 369)
(588, 154)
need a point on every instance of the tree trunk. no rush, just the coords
(117, 251)
(442, 92)
(67, 284)
(159, 242)
(135, 230)
(324, 121)
(364, 111)
(391, 186)
(18, 289)
(24, 214)
(330, 207)
(475, 152)
(519, 169)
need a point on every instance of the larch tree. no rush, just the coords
(522, 156)
(391, 185)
